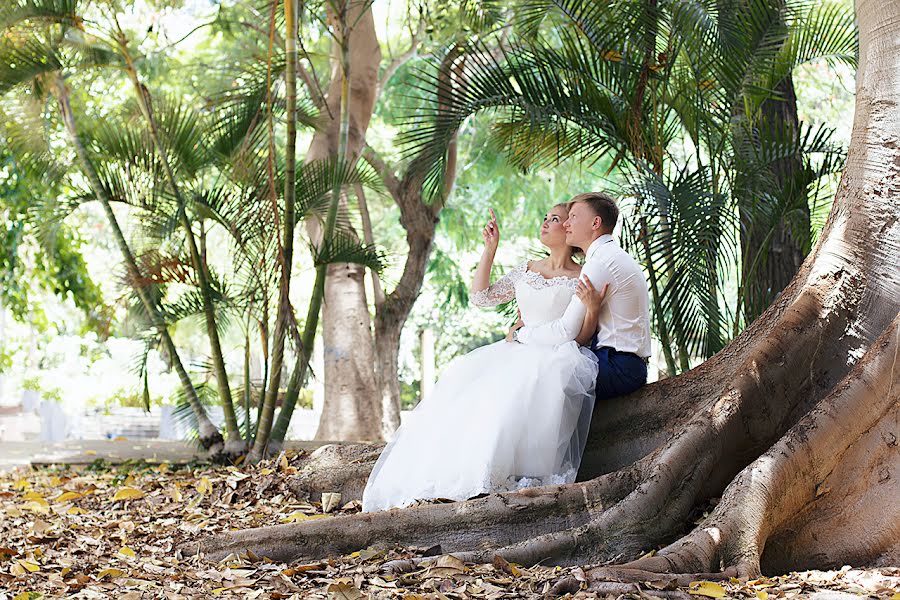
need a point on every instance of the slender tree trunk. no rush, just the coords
(369, 239)
(419, 219)
(210, 438)
(234, 444)
(286, 247)
(793, 425)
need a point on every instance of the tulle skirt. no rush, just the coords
(502, 417)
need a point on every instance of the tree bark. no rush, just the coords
(352, 408)
(794, 424)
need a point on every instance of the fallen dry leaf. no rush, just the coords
(127, 493)
(707, 588)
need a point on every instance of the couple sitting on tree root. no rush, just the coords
(516, 413)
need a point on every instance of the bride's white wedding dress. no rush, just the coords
(502, 417)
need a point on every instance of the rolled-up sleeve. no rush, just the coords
(566, 327)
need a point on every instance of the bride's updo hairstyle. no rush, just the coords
(603, 205)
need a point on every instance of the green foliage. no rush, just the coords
(36, 256)
(629, 81)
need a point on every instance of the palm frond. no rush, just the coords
(317, 179)
(688, 231)
(25, 60)
(344, 248)
(17, 12)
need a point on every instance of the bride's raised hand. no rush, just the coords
(491, 233)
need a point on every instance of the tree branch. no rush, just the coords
(402, 59)
(384, 170)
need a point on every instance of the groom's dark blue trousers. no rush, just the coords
(620, 372)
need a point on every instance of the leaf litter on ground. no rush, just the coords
(100, 531)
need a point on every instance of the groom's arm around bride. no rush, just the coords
(623, 321)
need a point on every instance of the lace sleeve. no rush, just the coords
(502, 290)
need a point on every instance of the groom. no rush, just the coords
(622, 321)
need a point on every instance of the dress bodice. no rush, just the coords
(540, 299)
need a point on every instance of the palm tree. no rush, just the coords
(229, 188)
(186, 172)
(38, 56)
(658, 87)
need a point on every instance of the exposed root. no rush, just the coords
(342, 468)
(571, 585)
(484, 523)
(213, 443)
(621, 513)
(790, 476)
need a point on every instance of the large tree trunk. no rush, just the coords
(351, 409)
(794, 424)
(419, 220)
(783, 249)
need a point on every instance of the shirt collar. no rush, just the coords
(595, 245)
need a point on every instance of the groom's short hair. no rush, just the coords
(603, 205)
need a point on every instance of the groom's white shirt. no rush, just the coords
(625, 316)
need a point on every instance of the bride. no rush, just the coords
(507, 415)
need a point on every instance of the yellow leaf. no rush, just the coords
(266, 471)
(175, 493)
(29, 566)
(67, 497)
(120, 438)
(612, 55)
(298, 515)
(75, 511)
(34, 496)
(128, 493)
(28, 596)
(90, 452)
(65, 571)
(126, 551)
(707, 588)
(764, 595)
(111, 573)
(162, 467)
(22, 484)
(218, 591)
(283, 463)
(203, 485)
(896, 596)
(41, 506)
